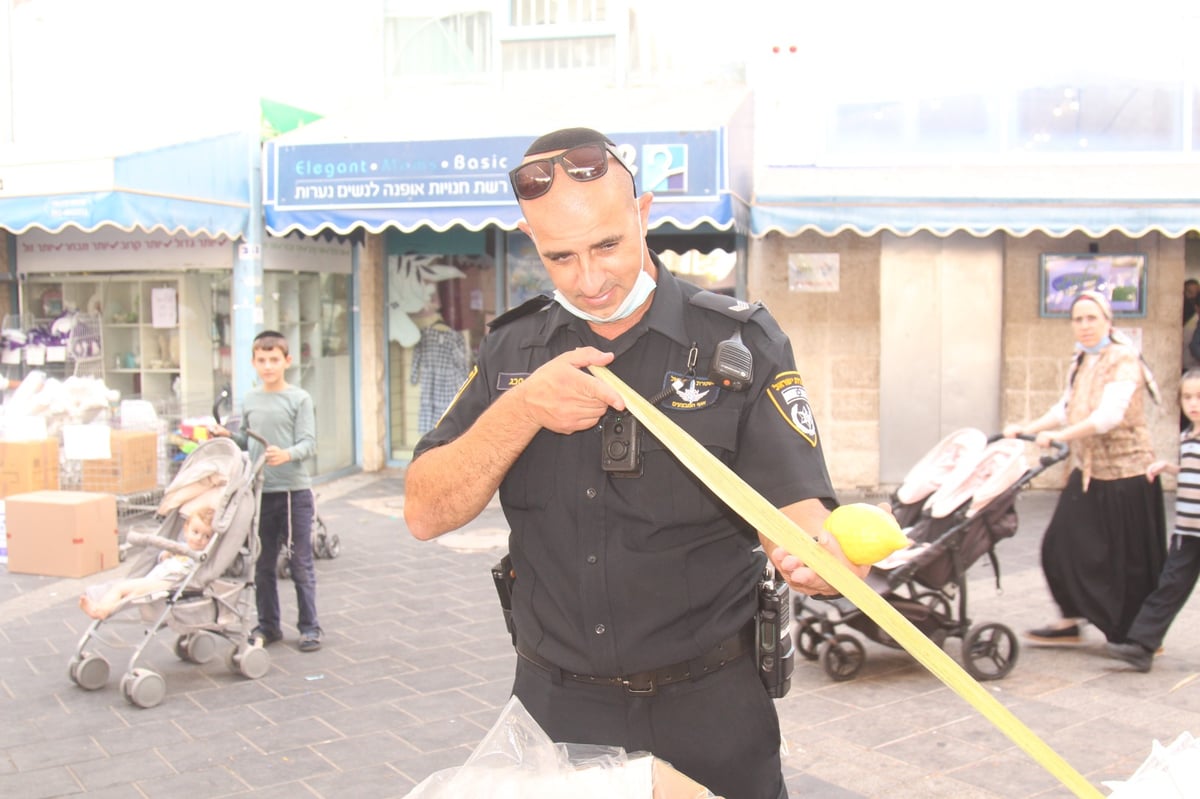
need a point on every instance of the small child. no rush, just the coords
(167, 573)
(283, 415)
(1182, 566)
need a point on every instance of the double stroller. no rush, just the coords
(212, 600)
(955, 505)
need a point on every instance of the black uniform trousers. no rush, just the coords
(1175, 584)
(721, 730)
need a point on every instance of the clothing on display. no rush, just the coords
(440, 365)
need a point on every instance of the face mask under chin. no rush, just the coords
(637, 295)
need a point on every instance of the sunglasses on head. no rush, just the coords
(583, 163)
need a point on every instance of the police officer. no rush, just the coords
(635, 588)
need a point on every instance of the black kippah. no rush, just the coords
(565, 139)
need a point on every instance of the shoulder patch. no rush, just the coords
(721, 303)
(524, 309)
(787, 391)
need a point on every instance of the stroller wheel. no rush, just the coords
(320, 538)
(842, 657)
(199, 647)
(254, 662)
(808, 638)
(250, 661)
(989, 651)
(89, 672)
(143, 687)
(936, 602)
(333, 546)
(283, 566)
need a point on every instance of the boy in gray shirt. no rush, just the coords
(283, 415)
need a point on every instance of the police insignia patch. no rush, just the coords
(791, 399)
(691, 393)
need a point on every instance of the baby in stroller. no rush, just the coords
(185, 577)
(100, 601)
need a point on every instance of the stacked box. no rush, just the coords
(132, 468)
(61, 533)
(28, 466)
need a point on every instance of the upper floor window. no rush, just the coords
(556, 12)
(449, 46)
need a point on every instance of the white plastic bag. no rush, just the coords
(1171, 772)
(517, 760)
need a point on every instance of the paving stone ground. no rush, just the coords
(417, 665)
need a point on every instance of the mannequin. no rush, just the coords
(440, 365)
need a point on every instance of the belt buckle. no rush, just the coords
(650, 690)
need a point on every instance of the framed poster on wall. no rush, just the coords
(1119, 277)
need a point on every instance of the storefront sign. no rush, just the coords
(470, 171)
(306, 255)
(108, 250)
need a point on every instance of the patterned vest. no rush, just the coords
(1124, 451)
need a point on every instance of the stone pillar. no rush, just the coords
(372, 393)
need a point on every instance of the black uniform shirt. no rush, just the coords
(618, 575)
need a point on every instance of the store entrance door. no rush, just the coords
(941, 309)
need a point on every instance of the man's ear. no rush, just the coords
(523, 226)
(644, 201)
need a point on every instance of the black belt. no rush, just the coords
(647, 682)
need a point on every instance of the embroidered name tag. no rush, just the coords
(507, 380)
(791, 399)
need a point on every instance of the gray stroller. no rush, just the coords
(956, 505)
(211, 600)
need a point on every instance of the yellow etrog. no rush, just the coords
(866, 533)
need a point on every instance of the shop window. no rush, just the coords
(312, 311)
(439, 305)
(1133, 116)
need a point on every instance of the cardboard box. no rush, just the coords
(61, 533)
(670, 783)
(132, 468)
(28, 466)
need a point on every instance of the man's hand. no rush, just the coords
(810, 516)
(803, 579)
(559, 396)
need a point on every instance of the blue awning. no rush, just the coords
(424, 171)
(1018, 197)
(719, 212)
(1017, 217)
(199, 187)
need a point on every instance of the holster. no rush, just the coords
(504, 577)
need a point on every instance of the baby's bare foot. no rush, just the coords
(90, 608)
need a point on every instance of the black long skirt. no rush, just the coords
(1104, 549)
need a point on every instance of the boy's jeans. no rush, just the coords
(275, 516)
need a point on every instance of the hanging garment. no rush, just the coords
(440, 365)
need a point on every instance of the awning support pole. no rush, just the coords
(246, 293)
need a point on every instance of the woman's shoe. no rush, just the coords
(1135, 655)
(1055, 636)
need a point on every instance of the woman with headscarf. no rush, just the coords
(1106, 542)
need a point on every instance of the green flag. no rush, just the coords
(280, 118)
